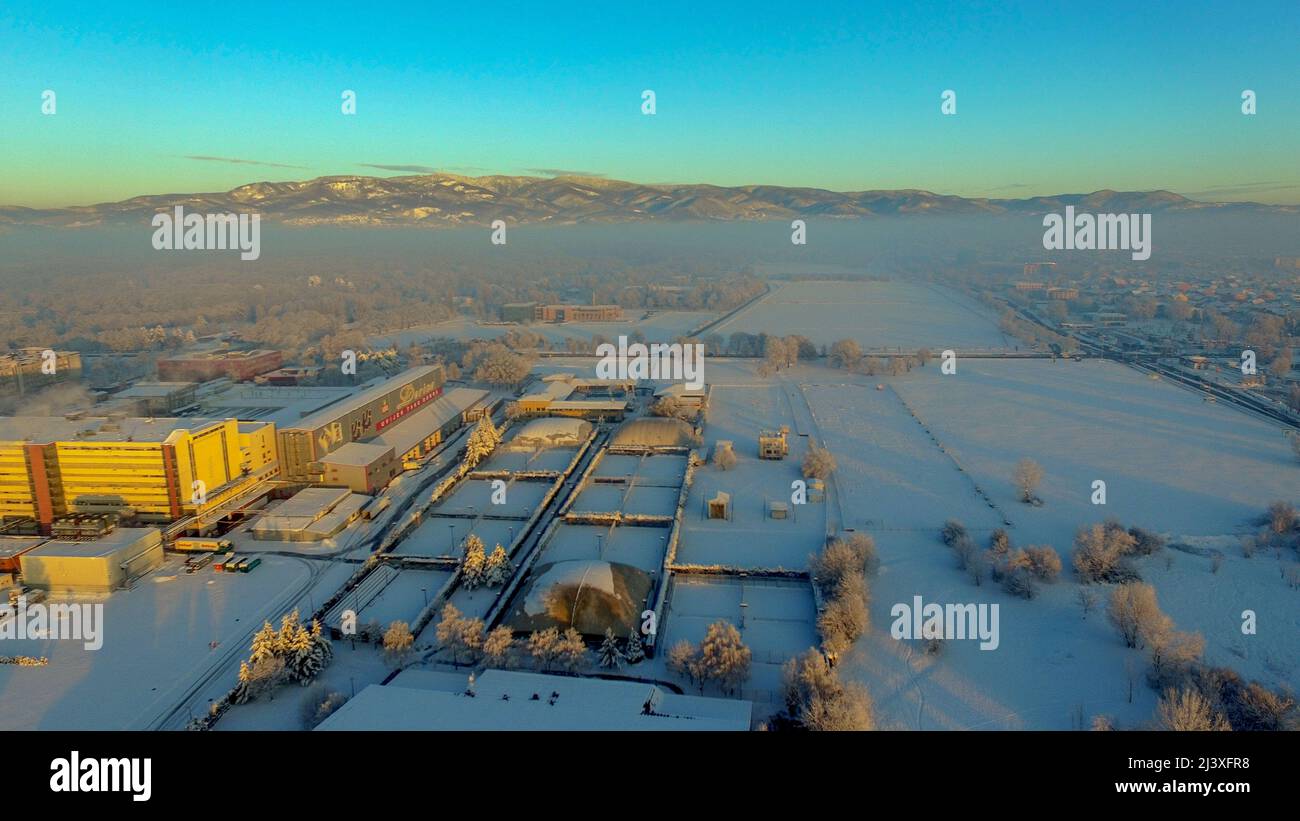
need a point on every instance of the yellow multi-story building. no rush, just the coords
(158, 469)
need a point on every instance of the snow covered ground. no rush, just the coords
(1198, 473)
(659, 326)
(740, 406)
(776, 620)
(877, 314)
(157, 643)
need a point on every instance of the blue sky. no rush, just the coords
(1051, 97)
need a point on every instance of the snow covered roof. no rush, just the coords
(589, 595)
(515, 700)
(655, 431)
(551, 432)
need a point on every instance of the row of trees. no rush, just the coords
(1019, 570)
(481, 569)
(293, 653)
(551, 649)
(847, 354)
(839, 572)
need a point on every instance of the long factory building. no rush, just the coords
(360, 418)
(164, 469)
(157, 469)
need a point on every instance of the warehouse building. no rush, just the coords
(311, 515)
(156, 469)
(360, 467)
(235, 365)
(105, 564)
(360, 418)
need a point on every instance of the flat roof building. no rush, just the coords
(157, 469)
(204, 365)
(105, 564)
(359, 418)
(515, 700)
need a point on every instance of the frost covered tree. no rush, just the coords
(473, 568)
(1027, 476)
(1188, 711)
(498, 568)
(818, 463)
(816, 698)
(1134, 611)
(266, 644)
(634, 650)
(681, 660)
(481, 442)
(609, 654)
(724, 657)
(398, 642)
(1100, 554)
(497, 646)
(544, 647)
(571, 651)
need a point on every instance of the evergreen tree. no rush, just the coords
(474, 567)
(498, 568)
(609, 654)
(635, 650)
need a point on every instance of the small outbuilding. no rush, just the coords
(720, 506)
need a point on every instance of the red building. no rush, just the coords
(239, 366)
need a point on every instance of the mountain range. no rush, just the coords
(448, 200)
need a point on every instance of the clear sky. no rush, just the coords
(1052, 97)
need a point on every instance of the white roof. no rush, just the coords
(503, 700)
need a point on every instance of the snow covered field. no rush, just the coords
(776, 620)
(157, 644)
(741, 406)
(1198, 473)
(876, 314)
(660, 326)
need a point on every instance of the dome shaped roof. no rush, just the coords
(588, 595)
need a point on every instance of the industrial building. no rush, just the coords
(157, 469)
(523, 312)
(360, 467)
(311, 515)
(105, 564)
(515, 700)
(359, 418)
(152, 399)
(31, 369)
(557, 395)
(202, 366)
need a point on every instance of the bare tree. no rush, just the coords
(498, 645)
(1134, 611)
(818, 463)
(1187, 711)
(1027, 476)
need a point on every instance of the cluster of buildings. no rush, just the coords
(31, 369)
(526, 312)
(151, 469)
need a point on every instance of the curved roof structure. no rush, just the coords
(551, 432)
(588, 595)
(655, 432)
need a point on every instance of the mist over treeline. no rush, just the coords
(107, 288)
